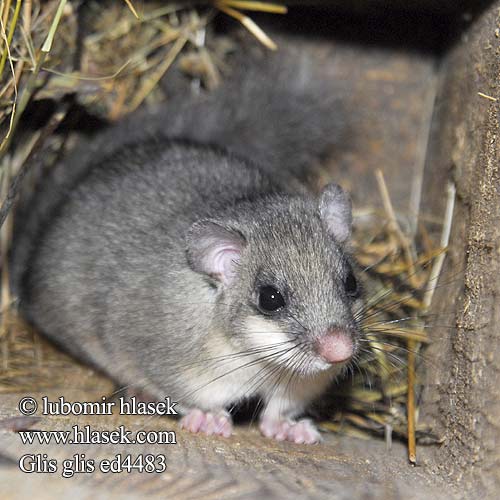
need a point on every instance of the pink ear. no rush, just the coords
(214, 250)
(336, 212)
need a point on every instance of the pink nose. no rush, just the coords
(336, 346)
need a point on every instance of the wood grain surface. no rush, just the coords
(243, 466)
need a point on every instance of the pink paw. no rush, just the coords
(219, 424)
(301, 432)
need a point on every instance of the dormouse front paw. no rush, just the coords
(301, 432)
(219, 423)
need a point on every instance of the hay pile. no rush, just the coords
(116, 69)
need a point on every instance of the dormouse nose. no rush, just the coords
(336, 345)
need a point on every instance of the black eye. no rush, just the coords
(351, 285)
(270, 299)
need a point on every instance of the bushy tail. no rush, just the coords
(281, 110)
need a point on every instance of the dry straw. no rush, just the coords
(382, 398)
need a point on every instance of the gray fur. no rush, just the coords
(282, 111)
(110, 261)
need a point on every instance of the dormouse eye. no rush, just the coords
(351, 285)
(270, 299)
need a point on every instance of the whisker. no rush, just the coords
(406, 350)
(236, 355)
(402, 363)
(245, 365)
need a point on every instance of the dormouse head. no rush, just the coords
(283, 280)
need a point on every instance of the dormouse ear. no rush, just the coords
(336, 212)
(214, 250)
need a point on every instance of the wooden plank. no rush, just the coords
(244, 466)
